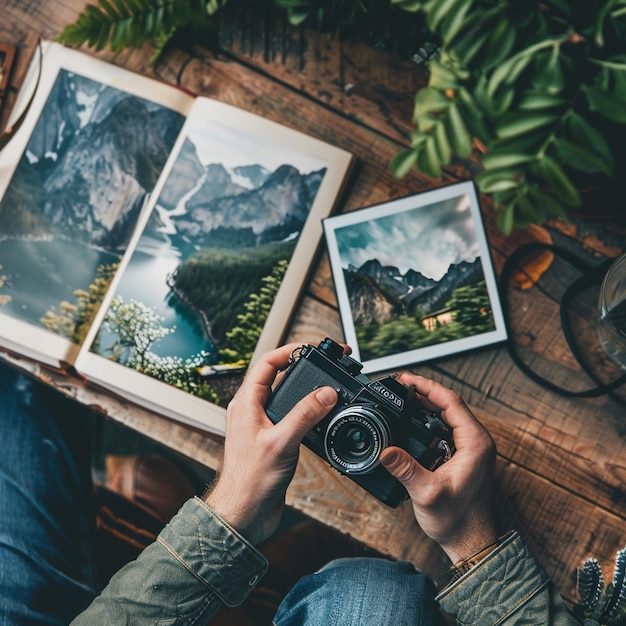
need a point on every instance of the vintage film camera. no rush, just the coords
(369, 416)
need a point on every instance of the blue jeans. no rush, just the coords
(46, 564)
(360, 592)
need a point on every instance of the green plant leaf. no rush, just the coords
(402, 163)
(441, 76)
(508, 72)
(605, 103)
(549, 206)
(122, 8)
(505, 160)
(438, 10)
(529, 143)
(428, 159)
(297, 17)
(431, 100)
(453, 23)
(582, 132)
(548, 72)
(444, 151)
(466, 50)
(498, 180)
(109, 10)
(527, 210)
(561, 185)
(500, 185)
(499, 44)
(472, 114)
(502, 102)
(460, 139)
(582, 158)
(598, 24)
(505, 218)
(537, 101)
(409, 5)
(524, 122)
(475, 25)
(126, 23)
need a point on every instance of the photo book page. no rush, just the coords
(158, 243)
(73, 181)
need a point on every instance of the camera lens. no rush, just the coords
(355, 438)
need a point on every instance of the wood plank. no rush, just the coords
(371, 86)
(561, 468)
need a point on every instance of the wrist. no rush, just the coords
(228, 510)
(463, 566)
(470, 543)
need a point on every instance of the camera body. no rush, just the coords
(369, 416)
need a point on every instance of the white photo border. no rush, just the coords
(409, 203)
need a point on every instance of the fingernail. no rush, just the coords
(327, 396)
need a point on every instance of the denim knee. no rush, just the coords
(359, 592)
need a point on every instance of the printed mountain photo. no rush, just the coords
(413, 277)
(192, 302)
(94, 154)
(394, 311)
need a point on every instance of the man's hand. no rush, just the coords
(260, 457)
(453, 504)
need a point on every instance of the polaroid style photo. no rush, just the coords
(414, 278)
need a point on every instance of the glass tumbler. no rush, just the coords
(612, 305)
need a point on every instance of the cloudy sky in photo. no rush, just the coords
(428, 239)
(220, 143)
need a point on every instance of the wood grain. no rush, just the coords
(561, 462)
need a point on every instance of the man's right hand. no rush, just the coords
(453, 504)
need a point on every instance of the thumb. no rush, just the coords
(402, 466)
(305, 414)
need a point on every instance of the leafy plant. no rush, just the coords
(538, 84)
(130, 23)
(600, 606)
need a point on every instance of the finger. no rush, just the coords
(305, 415)
(402, 466)
(264, 370)
(255, 389)
(456, 412)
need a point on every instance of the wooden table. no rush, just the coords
(561, 469)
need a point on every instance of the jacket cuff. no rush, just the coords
(501, 583)
(213, 551)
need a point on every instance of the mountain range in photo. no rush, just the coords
(378, 294)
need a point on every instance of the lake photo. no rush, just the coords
(41, 274)
(199, 285)
(73, 201)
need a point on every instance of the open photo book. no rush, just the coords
(155, 242)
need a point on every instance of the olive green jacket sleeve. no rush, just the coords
(507, 587)
(197, 564)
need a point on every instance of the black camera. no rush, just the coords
(369, 416)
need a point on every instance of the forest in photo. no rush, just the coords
(396, 313)
(136, 329)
